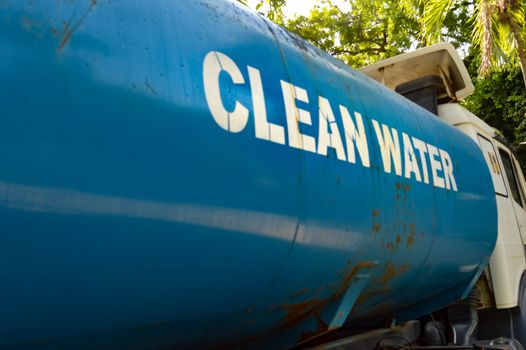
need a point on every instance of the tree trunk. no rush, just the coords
(486, 44)
(516, 31)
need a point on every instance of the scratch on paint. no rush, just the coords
(70, 29)
(149, 87)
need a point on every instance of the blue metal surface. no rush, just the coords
(131, 219)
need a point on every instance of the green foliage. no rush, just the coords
(441, 20)
(497, 27)
(433, 16)
(274, 11)
(457, 26)
(371, 31)
(500, 100)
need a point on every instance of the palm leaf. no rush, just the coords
(435, 12)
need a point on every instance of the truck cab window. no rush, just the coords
(510, 175)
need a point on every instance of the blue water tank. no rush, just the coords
(188, 174)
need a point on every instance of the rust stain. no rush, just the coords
(69, 29)
(370, 294)
(299, 311)
(376, 212)
(390, 246)
(348, 277)
(376, 228)
(407, 187)
(398, 239)
(391, 271)
(322, 328)
(404, 268)
(398, 185)
(410, 240)
(411, 237)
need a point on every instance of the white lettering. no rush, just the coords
(355, 137)
(411, 165)
(221, 72)
(435, 166)
(389, 147)
(295, 116)
(215, 63)
(264, 129)
(448, 171)
(329, 138)
(422, 150)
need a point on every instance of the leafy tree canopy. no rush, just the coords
(500, 100)
(370, 31)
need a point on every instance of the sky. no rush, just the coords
(300, 7)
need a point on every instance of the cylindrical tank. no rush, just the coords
(188, 174)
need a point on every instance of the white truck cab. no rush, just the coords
(436, 78)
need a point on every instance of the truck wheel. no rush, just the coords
(519, 315)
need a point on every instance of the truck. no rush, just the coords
(179, 174)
